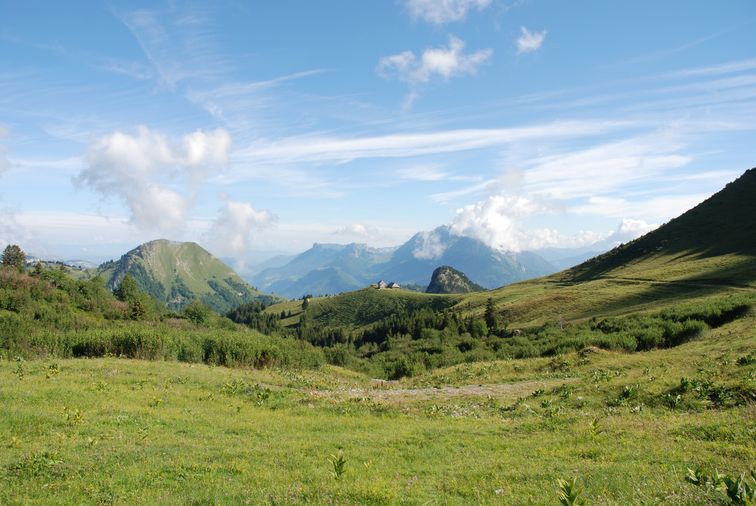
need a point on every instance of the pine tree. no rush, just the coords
(13, 256)
(128, 289)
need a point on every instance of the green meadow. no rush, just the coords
(119, 431)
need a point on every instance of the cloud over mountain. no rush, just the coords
(232, 231)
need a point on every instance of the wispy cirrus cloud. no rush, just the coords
(179, 45)
(320, 148)
(439, 12)
(529, 41)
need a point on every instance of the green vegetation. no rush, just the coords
(176, 273)
(447, 279)
(14, 257)
(124, 431)
(52, 315)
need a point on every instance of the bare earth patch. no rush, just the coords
(384, 391)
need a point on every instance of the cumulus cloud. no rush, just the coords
(429, 245)
(495, 221)
(356, 229)
(629, 229)
(529, 41)
(145, 169)
(444, 62)
(499, 222)
(233, 230)
(443, 11)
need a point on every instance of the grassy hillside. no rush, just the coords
(176, 273)
(687, 248)
(627, 427)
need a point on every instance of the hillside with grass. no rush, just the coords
(176, 273)
(713, 243)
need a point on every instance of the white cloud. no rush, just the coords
(356, 230)
(654, 208)
(529, 41)
(11, 232)
(496, 221)
(319, 148)
(233, 231)
(443, 62)
(422, 173)
(429, 246)
(630, 229)
(143, 170)
(605, 167)
(443, 11)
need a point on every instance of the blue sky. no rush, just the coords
(259, 127)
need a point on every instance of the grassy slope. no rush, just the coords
(114, 430)
(192, 264)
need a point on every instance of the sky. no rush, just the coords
(257, 128)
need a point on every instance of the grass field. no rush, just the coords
(109, 430)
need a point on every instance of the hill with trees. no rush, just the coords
(449, 280)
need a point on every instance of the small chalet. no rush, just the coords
(394, 285)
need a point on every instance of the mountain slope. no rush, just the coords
(324, 268)
(709, 251)
(447, 280)
(713, 242)
(177, 272)
(415, 261)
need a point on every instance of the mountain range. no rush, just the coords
(335, 268)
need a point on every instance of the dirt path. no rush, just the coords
(384, 392)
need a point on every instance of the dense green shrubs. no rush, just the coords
(159, 342)
(406, 343)
(51, 314)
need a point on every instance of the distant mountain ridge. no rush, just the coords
(335, 268)
(178, 272)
